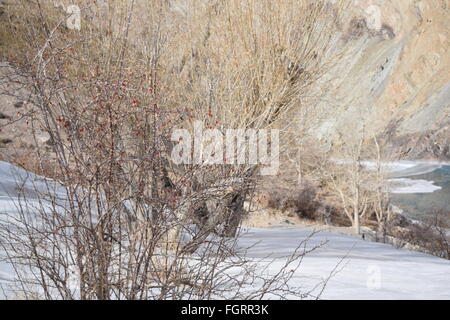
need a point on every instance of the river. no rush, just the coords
(423, 188)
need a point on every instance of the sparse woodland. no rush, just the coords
(128, 223)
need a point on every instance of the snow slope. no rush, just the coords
(14, 183)
(367, 270)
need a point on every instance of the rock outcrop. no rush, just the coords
(394, 78)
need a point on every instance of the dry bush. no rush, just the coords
(331, 187)
(302, 187)
(300, 200)
(432, 234)
(128, 223)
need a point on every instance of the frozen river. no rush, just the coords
(425, 189)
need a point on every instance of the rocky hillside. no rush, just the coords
(18, 136)
(394, 77)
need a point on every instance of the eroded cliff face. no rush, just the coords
(394, 78)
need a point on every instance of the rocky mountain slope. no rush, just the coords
(394, 78)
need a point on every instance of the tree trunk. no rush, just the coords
(356, 223)
(235, 215)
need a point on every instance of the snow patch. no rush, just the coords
(368, 270)
(405, 185)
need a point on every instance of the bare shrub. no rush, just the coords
(347, 182)
(300, 201)
(123, 221)
(433, 234)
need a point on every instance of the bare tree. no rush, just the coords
(122, 221)
(381, 206)
(347, 182)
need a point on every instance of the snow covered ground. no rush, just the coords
(367, 270)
